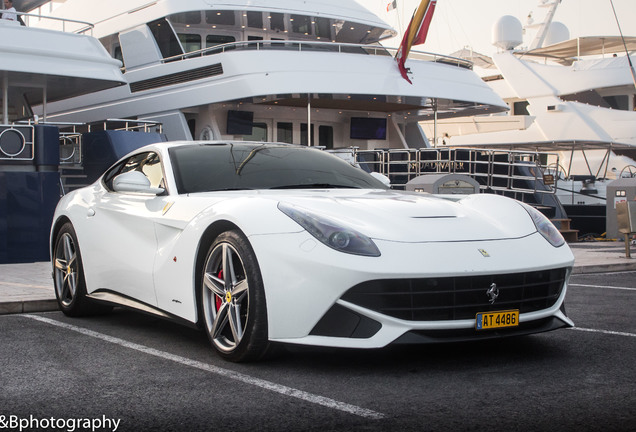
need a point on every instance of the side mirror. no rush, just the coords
(136, 182)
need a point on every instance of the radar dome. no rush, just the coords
(507, 32)
(557, 32)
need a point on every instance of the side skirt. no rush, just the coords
(114, 299)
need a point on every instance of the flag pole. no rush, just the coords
(308, 119)
(415, 34)
(435, 122)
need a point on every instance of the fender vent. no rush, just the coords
(177, 78)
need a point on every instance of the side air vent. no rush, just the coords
(177, 78)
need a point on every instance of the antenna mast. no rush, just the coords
(545, 25)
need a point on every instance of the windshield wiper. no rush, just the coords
(316, 186)
(231, 189)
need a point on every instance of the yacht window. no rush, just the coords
(117, 54)
(303, 134)
(520, 108)
(277, 22)
(165, 37)
(190, 42)
(111, 43)
(213, 40)
(219, 17)
(589, 97)
(285, 132)
(255, 19)
(325, 136)
(301, 24)
(254, 38)
(323, 28)
(620, 102)
(193, 17)
(259, 133)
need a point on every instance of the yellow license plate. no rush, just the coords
(494, 320)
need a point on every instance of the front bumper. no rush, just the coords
(305, 282)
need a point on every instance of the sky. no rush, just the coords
(460, 23)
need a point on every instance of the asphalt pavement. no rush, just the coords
(27, 288)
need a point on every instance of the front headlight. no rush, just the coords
(330, 232)
(544, 226)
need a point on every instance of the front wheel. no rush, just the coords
(233, 297)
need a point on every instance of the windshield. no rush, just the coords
(242, 166)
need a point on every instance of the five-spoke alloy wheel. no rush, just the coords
(233, 299)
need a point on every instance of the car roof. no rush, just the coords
(173, 144)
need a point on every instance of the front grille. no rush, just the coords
(455, 298)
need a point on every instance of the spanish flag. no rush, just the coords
(415, 33)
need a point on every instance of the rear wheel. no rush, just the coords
(233, 298)
(68, 276)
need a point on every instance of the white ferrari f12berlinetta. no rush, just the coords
(262, 243)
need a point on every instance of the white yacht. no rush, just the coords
(39, 66)
(264, 70)
(574, 97)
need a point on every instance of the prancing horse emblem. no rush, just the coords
(493, 292)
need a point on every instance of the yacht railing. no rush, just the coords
(128, 125)
(18, 143)
(73, 25)
(510, 172)
(303, 46)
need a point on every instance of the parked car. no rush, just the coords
(263, 243)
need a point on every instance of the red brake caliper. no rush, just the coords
(219, 300)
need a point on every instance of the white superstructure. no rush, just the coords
(42, 65)
(39, 66)
(264, 70)
(577, 96)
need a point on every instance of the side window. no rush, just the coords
(285, 132)
(213, 40)
(151, 167)
(190, 42)
(147, 163)
(166, 39)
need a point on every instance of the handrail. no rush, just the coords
(87, 26)
(402, 165)
(130, 124)
(136, 124)
(295, 45)
(25, 150)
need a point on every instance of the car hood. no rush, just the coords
(416, 217)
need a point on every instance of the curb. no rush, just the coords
(586, 269)
(28, 306)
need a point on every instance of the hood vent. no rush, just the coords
(177, 78)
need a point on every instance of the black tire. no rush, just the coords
(233, 299)
(68, 276)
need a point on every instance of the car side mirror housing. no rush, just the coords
(135, 182)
